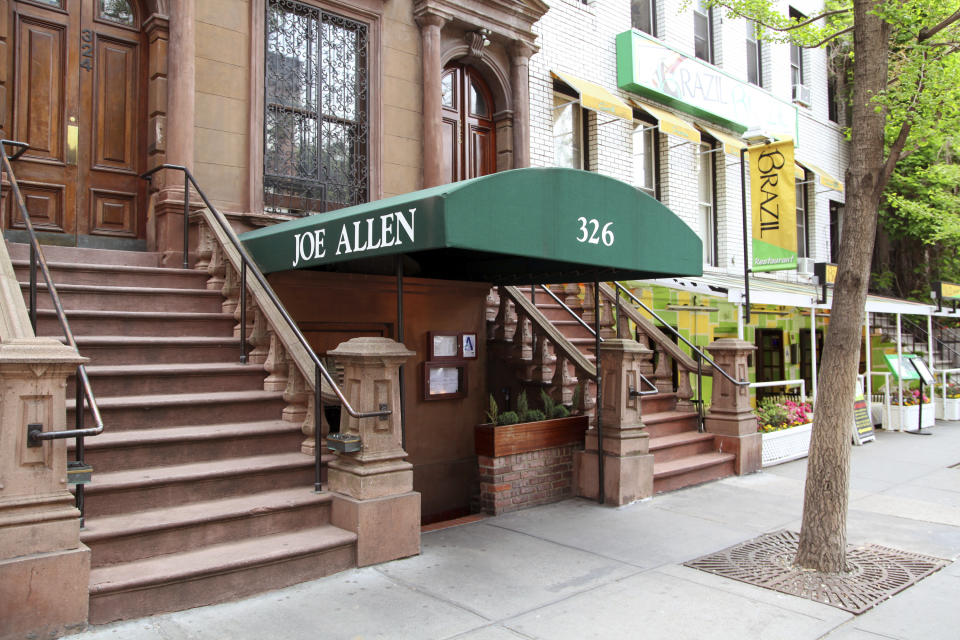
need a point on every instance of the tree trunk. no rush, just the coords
(823, 534)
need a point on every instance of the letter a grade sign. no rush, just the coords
(773, 207)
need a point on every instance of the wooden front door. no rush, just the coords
(469, 148)
(77, 71)
(769, 360)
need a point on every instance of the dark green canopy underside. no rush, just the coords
(524, 226)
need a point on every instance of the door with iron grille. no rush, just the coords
(316, 112)
(78, 75)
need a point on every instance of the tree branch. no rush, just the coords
(928, 32)
(825, 14)
(829, 38)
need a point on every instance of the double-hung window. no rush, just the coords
(316, 120)
(643, 16)
(707, 204)
(796, 55)
(703, 31)
(754, 56)
(803, 222)
(568, 132)
(645, 157)
(836, 230)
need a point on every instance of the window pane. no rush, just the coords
(706, 204)
(117, 11)
(644, 176)
(447, 91)
(315, 115)
(701, 36)
(566, 133)
(802, 220)
(478, 104)
(642, 14)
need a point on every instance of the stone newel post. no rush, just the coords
(731, 419)
(374, 486)
(44, 568)
(628, 464)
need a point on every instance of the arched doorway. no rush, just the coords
(469, 134)
(77, 71)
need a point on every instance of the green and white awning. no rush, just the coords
(539, 225)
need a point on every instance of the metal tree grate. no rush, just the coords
(875, 573)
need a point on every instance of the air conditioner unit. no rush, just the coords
(802, 95)
(805, 265)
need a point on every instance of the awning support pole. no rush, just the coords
(868, 379)
(930, 358)
(403, 412)
(899, 373)
(740, 321)
(596, 346)
(743, 209)
(813, 353)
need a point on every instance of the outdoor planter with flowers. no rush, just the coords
(949, 408)
(909, 415)
(785, 429)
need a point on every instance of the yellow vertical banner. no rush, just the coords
(773, 206)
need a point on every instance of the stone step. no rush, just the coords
(102, 298)
(149, 379)
(116, 275)
(667, 423)
(134, 536)
(658, 403)
(116, 492)
(689, 471)
(218, 573)
(53, 253)
(128, 350)
(115, 450)
(137, 323)
(180, 409)
(681, 445)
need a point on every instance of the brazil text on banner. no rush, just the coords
(773, 206)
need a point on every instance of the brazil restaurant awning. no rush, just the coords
(595, 97)
(523, 226)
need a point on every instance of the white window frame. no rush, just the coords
(645, 157)
(561, 102)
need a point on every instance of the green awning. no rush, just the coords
(524, 226)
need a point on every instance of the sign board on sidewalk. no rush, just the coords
(900, 367)
(925, 374)
(862, 424)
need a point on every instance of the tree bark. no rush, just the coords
(823, 534)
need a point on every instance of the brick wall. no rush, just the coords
(521, 480)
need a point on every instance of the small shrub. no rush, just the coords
(508, 417)
(532, 415)
(493, 412)
(548, 404)
(522, 405)
(559, 411)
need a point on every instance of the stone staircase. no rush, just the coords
(682, 455)
(200, 492)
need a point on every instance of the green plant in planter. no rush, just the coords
(493, 413)
(551, 408)
(508, 417)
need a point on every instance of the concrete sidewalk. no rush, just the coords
(578, 570)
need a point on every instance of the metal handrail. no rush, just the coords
(83, 389)
(248, 263)
(582, 322)
(693, 347)
(917, 327)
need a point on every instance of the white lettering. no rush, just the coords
(296, 249)
(344, 245)
(407, 225)
(319, 250)
(370, 235)
(386, 231)
(356, 238)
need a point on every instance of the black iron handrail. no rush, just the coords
(83, 389)
(700, 355)
(941, 343)
(246, 262)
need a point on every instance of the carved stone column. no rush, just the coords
(44, 568)
(180, 121)
(520, 83)
(430, 26)
(374, 486)
(628, 463)
(731, 418)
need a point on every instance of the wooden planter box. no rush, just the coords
(911, 416)
(493, 441)
(948, 409)
(786, 445)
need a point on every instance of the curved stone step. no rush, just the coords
(688, 471)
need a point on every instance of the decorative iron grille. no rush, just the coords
(315, 155)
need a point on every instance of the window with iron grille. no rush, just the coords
(316, 129)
